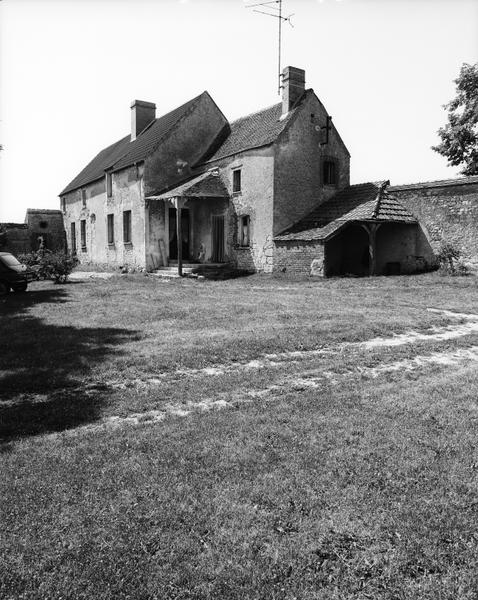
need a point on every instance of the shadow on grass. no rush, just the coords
(44, 367)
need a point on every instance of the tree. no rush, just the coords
(459, 137)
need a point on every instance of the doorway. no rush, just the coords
(218, 238)
(185, 230)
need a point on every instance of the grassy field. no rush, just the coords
(236, 439)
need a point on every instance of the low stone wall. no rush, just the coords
(299, 258)
(14, 238)
(448, 212)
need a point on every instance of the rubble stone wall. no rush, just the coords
(448, 212)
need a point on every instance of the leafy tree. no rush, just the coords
(459, 137)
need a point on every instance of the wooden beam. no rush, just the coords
(179, 237)
(372, 247)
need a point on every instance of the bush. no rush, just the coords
(50, 265)
(449, 260)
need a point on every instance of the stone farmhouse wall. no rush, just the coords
(94, 206)
(256, 200)
(298, 171)
(447, 211)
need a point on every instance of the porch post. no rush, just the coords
(179, 236)
(372, 247)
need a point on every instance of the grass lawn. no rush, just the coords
(222, 440)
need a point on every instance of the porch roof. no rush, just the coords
(206, 185)
(368, 202)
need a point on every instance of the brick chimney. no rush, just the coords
(142, 113)
(293, 86)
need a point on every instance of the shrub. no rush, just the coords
(51, 265)
(449, 260)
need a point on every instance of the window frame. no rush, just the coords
(245, 225)
(236, 181)
(109, 185)
(127, 229)
(329, 171)
(73, 237)
(110, 228)
(83, 235)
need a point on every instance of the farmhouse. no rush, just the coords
(268, 192)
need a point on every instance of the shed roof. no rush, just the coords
(361, 202)
(206, 185)
(124, 152)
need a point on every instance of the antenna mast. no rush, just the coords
(271, 5)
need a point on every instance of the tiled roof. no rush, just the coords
(41, 211)
(206, 185)
(361, 202)
(435, 184)
(124, 153)
(253, 131)
(96, 168)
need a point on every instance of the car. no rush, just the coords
(13, 275)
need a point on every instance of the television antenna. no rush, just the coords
(274, 5)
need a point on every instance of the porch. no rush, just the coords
(188, 224)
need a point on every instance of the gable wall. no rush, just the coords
(298, 185)
(447, 214)
(172, 162)
(47, 224)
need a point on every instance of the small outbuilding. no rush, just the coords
(362, 230)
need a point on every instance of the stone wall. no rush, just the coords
(447, 211)
(254, 199)
(46, 227)
(299, 258)
(15, 238)
(298, 172)
(42, 226)
(93, 208)
(187, 142)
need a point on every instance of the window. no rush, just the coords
(73, 238)
(111, 229)
(83, 197)
(63, 204)
(329, 172)
(43, 225)
(83, 235)
(109, 185)
(244, 230)
(127, 227)
(236, 181)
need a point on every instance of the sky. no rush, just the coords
(69, 70)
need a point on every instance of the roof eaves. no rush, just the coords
(436, 183)
(212, 160)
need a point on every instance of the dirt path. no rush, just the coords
(305, 379)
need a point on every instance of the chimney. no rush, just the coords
(293, 86)
(142, 113)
